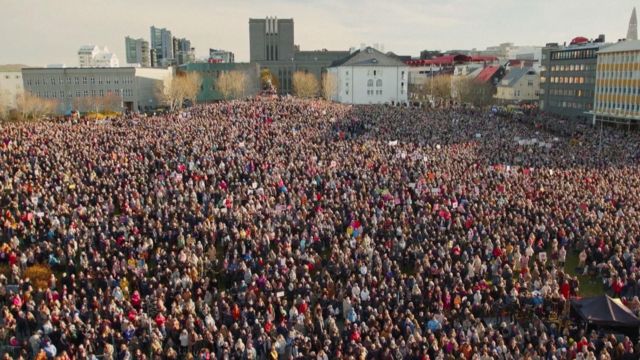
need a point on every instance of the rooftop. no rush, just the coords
(368, 57)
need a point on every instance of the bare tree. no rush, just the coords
(232, 84)
(305, 85)
(32, 107)
(224, 85)
(240, 81)
(438, 87)
(110, 102)
(191, 83)
(329, 86)
(4, 105)
(471, 91)
(175, 90)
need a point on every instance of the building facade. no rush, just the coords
(272, 47)
(369, 77)
(617, 90)
(162, 43)
(76, 88)
(520, 85)
(221, 56)
(94, 56)
(11, 86)
(209, 72)
(137, 51)
(568, 76)
(270, 39)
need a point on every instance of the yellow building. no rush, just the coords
(617, 95)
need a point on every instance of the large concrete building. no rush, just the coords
(11, 86)
(73, 88)
(137, 51)
(370, 77)
(568, 78)
(617, 90)
(271, 45)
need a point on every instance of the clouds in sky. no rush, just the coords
(40, 32)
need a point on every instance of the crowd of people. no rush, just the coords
(299, 229)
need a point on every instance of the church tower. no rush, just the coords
(632, 33)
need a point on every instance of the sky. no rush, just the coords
(41, 32)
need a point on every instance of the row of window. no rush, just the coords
(574, 67)
(570, 105)
(619, 58)
(378, 83)
(603, 105)
(627, 75)
(371, 92)
(82, 93)
(574, 54)
(569, 80)
(571, 92)
(618, 90)
(84, 80)
(9, 77)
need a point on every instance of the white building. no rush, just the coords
(93, 56)
(521, 84)
(77, 88)
(10, 87)
(368, 76)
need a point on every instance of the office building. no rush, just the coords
(94, 56)
(184, 53)
(162, 43)
(272, 47)
(568, 78)
(221, 56)
(81, 88)
(137, 51)
(369, 77)
(617, 90)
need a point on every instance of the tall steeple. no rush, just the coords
(632, 33)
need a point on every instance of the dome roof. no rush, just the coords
(579, 40)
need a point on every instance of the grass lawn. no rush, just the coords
(588, 287)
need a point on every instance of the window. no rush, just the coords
(379, 83)
(78, 93)
(402, 75)
(101, 92)
(86, 93)
(84, 80)
(61, 94)
(100, 80)
(92, 80)
(108, 80)
(77, 80)
(374, 72)
(370, 82)
(53, 81)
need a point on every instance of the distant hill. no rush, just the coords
(12, 67)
